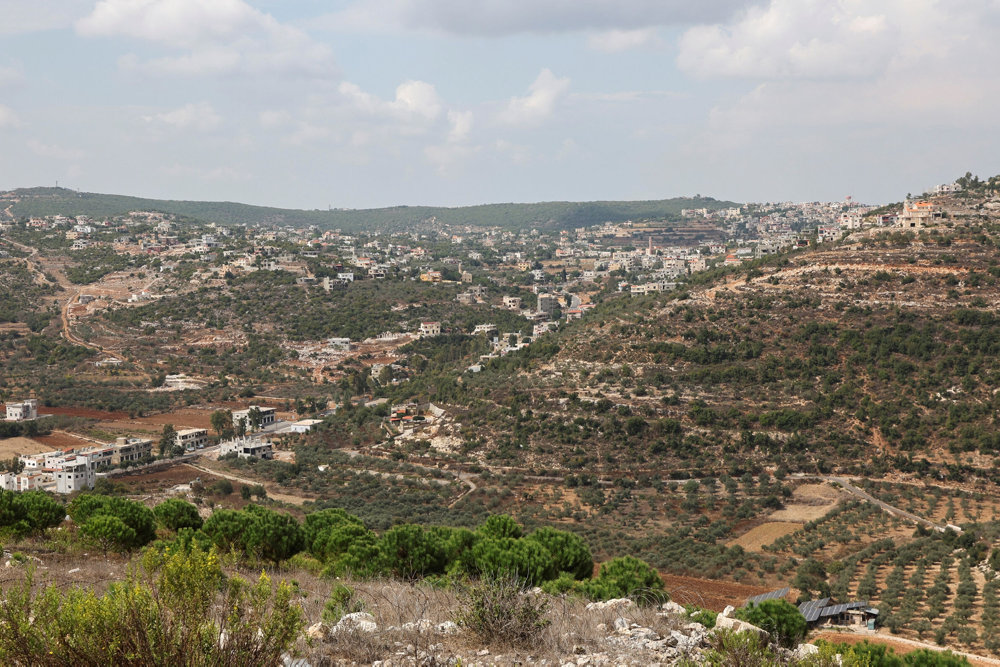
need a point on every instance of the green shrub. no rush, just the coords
(500, 526)
(569, 552)
(173, 610)
(175, 514)
(626, 577)
(256, 532)
(746, 649)
(341, 602)
(499, 612)
(135, 516)
(782, 619)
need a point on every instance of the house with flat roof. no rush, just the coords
(22, 410)
(265, 416)
(191, 438)
(247, 448)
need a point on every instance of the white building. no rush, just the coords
(247, 448)
(192, 438)
(22, 411)
(267, 416)
(24, 481)
(75, 475)
(303, 425)
(430, 329)
(131, 450)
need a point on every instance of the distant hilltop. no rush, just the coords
(43, 201)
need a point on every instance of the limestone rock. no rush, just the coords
(359, 621)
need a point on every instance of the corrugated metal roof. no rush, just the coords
(771, 595)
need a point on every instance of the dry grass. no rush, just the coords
(398, 608)
(11, 447)
(766, 533)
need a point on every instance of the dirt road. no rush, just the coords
(846, 484)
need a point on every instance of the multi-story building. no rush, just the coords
(192, 438)
(22, 410)
(265, 416)
(131, 450)
(247, 448)
(75, 475)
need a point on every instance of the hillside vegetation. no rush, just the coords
(543, 215)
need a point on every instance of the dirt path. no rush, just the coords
(846, 484)
(277, 495)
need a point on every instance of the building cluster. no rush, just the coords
(74, 469)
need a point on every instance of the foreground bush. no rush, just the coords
(866, 654)
(174, 609)
(500, 612)
(115, 523)
(783, 620)
(626, 577)
(29, 512)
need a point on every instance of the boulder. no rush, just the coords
(318, 631)
(736, 625)
(617, 603)
(803, 651)
(674, 608)
(359, 621)
(446, 628)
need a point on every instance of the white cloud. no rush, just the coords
(216, 37)
(419, 98)
(461, 125)
(8, 118)
(415, 101)
(40, 15)
(614, 41)
(540, 102)
(201, 117)
(818, 39)
(506, 17)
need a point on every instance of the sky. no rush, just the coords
(367, 103)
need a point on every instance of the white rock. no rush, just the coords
(622, 625)
(617, 603)
(423, 625)
(673, 608)
(359, 621)
(803, 651)
(446, 628)
(736, 625)
(74, 570)
(318, 631)
(728, 610)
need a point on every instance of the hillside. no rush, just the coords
(543, 215)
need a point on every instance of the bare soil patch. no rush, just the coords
(88, 413)
(11, 447)
(59, 440)
(766, 533)
(809, 502)
(708, 593)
